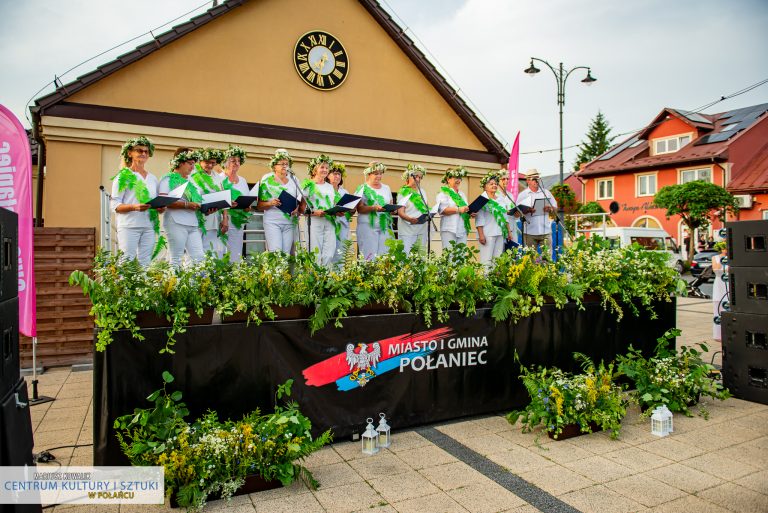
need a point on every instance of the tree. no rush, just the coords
(697, 203)
(598, 141)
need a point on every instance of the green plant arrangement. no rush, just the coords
(523, 280)
(677, 378)
(210, 456)
(559, 399)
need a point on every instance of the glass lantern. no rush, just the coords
(666, 418)
(385, 440)
(370, 438)
(657, 423)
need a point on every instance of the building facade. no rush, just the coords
(729, 149)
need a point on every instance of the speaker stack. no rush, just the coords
(745, 325)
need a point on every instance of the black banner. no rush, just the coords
(392, 364)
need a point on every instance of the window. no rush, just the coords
(670, 144)
(605, 189)
(689, 175)
(765, 215)
(646, 222)
(646, 185)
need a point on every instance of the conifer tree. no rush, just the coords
(598, 141)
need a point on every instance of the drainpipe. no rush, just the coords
(40, 165)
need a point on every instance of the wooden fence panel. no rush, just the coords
(64, 328)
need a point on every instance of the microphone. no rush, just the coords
(290, 170)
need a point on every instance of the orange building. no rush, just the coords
(729, 149)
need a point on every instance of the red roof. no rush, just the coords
(753, 175)
(712, 141)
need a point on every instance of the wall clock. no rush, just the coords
(321, 60)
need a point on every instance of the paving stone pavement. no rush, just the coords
(487, 465)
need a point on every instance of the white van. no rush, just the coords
(654, 239)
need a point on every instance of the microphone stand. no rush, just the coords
(430, 221)
(557, 216)
(308, 210)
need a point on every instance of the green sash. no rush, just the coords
(499, 214)
(456, 197)
(414, 197)
(238, 216)
(190, 194)
(127, 179)
(270, 189)
(318, 201)
(373, 198)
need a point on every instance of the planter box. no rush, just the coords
(372, 309)
(149, 319)
(573, 430)
(253, 483)
(282, 313)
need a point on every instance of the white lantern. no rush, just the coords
(370, 438)
(657, 423)
(666, 416)
(384, 438)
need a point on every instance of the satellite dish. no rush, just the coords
(613, 207)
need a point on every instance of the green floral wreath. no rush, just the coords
(458, 172)
(235, 151)
(500, 174)
(136, 141)
(412, 169)
(280, 154)
(317, 161)
(182, 157)
(340, 168)
(210, 154)
(374, 167)
(487, 178)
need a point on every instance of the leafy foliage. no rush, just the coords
(675, 378)
(697, 203)
(211, 456)
(559, 398)
(598, 141)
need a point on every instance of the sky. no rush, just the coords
(646, 55)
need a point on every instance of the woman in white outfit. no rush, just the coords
(183, 222)
(719, 288)
(208, 181)
(491, 221)
(319, 195)
(137, 226)
(505, 200)
(279, 227)
(453, 208)
(374, 224)
(336, 179)
(234, 157)
(414, 205)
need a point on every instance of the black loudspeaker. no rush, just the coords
(748, 243)
(748, 287)
(9, 342)
(745, 355)
(9, 254)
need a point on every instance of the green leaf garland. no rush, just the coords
(456, 197)
(373, 198)
(414, 197)
(126, 179)
(190, 194)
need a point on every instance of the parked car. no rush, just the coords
(701, 261)
(653, 239)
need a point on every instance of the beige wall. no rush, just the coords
(71, 194)
(251, 77)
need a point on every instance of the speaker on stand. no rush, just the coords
(745, 325)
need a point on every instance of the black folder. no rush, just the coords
(244, 202)
(338, 208)
(392, 208)
(524, 209)
(478, 204)
(161, 201)
(287, 202)
(423, 218)
(347, 198)
(205, 207)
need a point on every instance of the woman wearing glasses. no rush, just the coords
(492, 225)
(374, 224)
(279, 227)
(137, 226)
(183, 221)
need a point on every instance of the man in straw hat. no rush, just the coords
(538, 231)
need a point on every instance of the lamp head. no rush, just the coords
(589, 79)
(532, 70)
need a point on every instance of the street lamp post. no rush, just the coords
(561, 76)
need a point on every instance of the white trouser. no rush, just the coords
(235, 243)
(211, 242)
(409, 239)
(493, 247)
(181, 237)
(279, 236)
(137, 243)
(370, 242)
(343, 236)
(458, 238)
(323, 238)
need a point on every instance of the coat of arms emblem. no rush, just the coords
(362, 362)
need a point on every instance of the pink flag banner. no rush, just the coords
(16, 196)
(513, 185)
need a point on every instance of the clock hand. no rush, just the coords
(318, 65)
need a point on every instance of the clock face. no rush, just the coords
(321, 60)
